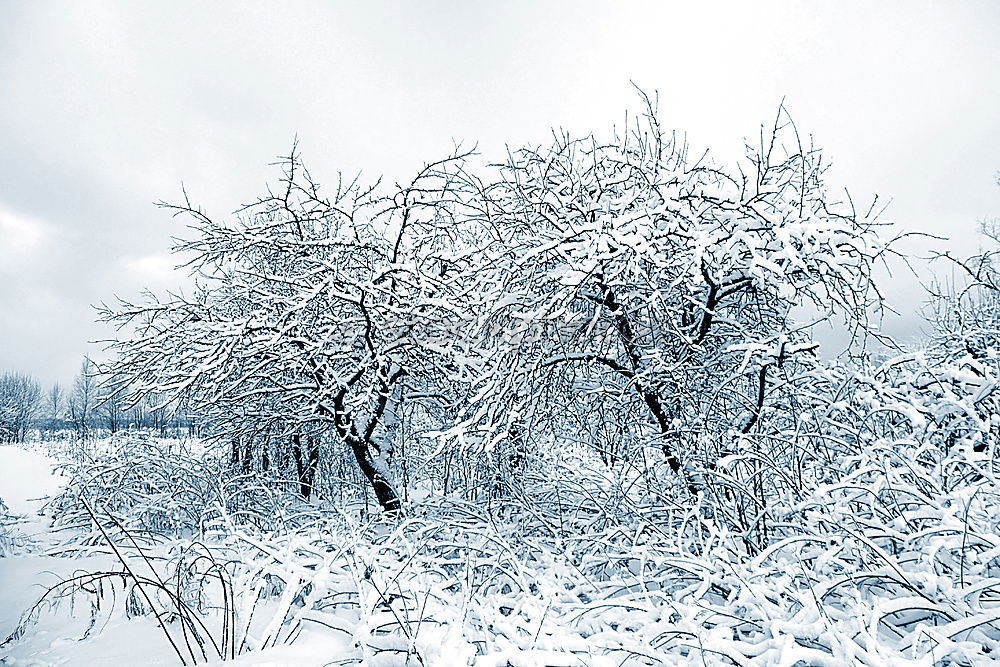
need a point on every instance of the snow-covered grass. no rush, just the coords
(156, 489)
(114, 574)
(894, 562)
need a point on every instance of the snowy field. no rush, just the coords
(563, 334)
(37, 556)
(564, 409)
(885, 567)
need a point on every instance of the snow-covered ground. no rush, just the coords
(37, 559)
(27, 480)
(886, 566)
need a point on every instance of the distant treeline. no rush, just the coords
(88, 409)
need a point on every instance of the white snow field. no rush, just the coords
(36, 557)
(896, 563)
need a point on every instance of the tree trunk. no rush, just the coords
(306, 463)
(247, 458)
(384, 492)
(650, 396)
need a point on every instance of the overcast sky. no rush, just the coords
(106, 107)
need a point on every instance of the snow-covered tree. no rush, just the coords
(20, 402)
(953, 382)
(83, 398)
(55, 402)
(668, 284)
(621, 288)
(307, 313)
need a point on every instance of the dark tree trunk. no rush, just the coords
(384, 492)
(306, 463)
(247, 459)
(650, 396)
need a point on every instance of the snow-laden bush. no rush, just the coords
(6, 530)
(890, 564)
(875, 540)
(151, 487)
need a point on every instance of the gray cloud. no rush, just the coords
(108, 106)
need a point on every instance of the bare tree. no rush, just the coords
(668, 284)
(110, 410)
(55, 401)
(308, 312)
(83, 398)
(20, 401)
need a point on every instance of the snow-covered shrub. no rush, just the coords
(146, 487)
(885, 566)
(154, 489)
(888, 554)
(6, 530)
(196, 631)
